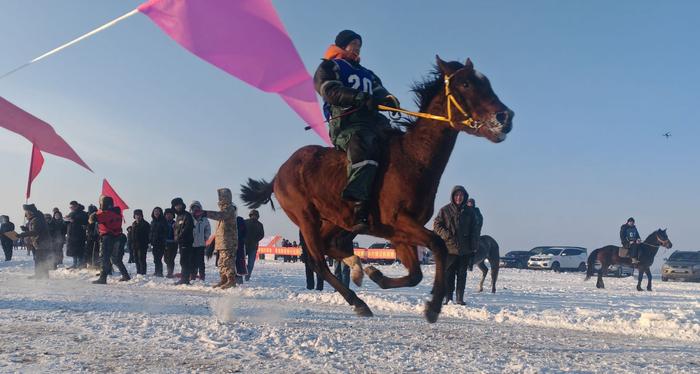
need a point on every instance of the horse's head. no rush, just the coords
(473, 97)
(662, 238)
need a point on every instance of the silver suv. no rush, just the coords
(682, 265)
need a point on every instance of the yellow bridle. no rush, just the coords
(451, 101)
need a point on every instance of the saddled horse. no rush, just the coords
(609, 255)
(309, 184)
(488, 250)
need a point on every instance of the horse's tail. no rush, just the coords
(257, 193)
(590, 268)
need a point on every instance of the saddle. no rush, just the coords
(623, 252)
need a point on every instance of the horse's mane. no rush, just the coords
(425, 90)
(650, 235)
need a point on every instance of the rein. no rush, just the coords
(451, 101)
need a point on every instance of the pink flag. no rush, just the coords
(107, 190)
(34, 167)
(246, 39)
(40, 133)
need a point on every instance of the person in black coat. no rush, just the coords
(140, 232)
(184, 236)
(7, 244)
(77, 234)
(157, 237)
(92, 245)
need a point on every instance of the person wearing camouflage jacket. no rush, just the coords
(225, 237)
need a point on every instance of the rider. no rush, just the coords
(629, 237)
(351, 94)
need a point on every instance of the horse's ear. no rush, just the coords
(443, 66)
(469, 65)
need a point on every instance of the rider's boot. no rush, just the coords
(361, 213)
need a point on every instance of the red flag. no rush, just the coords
(246, 39)
(107, 190)
(40, 133)
(34, 167)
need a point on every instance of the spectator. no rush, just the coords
(77, 233)
(241, 268)
(92, 245)
(309, 267)
(202, 232)
(61, 227)
(254, 233)
(170, 243)
(37, 231)
(7, 242)
(342, 270)
(184, 236)
(456, 224)
(226, 237)
(55, 232)
(130, 244)
(140, 236)
(109, 225)
(157, 237)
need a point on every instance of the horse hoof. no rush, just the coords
(373, 273)
(363, 310)
(493, 290)
(431, 315)
(639, 289)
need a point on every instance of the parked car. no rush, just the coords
(682, 265)
(515, 259)
(560, 258)
(615, 270)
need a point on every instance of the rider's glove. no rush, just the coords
(393, 102)
(366, 101)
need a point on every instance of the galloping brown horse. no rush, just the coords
(309, 183)
(608, 255)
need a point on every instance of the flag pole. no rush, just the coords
(78, 39)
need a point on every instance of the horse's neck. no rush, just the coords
(430, 143)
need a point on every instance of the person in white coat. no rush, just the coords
(202, 232)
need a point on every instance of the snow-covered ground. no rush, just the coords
(536, 322)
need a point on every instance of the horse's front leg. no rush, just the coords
(639, 279)
(408, 255)
(648, 277)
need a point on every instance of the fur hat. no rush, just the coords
(195, 203)
(345, 37)
(225, 196)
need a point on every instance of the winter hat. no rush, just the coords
(631, 219)
(138, 212)
(254, 212)
(56, 210)
(169, 210)
(73, 203)
(92, 209)
(177, 201)
(225, 196)
(195, 203)
(345, 37)
(29, 208)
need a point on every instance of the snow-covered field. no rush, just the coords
(536, 322)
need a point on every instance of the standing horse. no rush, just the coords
(309, 183)
(488, 249)
(608, 255)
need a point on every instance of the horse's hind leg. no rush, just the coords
(484, 271)
(339, 246)
(408, 255)
(310, 230)
(603, 269)
(495, 266)
(648, 272)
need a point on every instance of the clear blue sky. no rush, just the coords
(593, 84)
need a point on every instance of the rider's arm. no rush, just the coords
(328, 85)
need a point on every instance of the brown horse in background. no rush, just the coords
(608, 255)
(309, 183)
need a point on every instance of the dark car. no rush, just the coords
(515, 259)
(682, 265)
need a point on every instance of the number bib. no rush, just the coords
(355, 77)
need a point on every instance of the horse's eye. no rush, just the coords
(465, 84)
